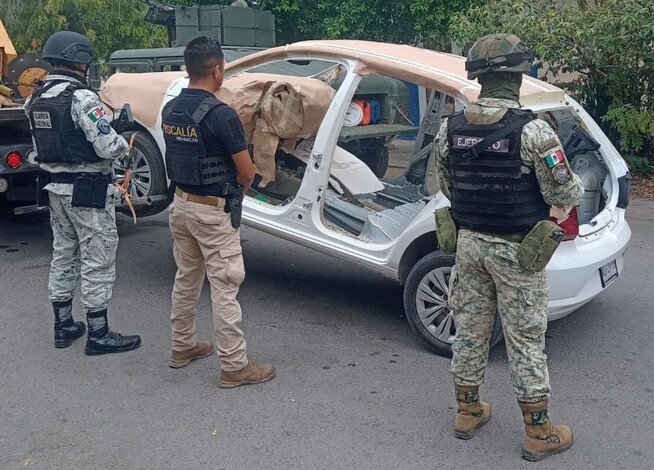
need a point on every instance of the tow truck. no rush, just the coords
(18, 171)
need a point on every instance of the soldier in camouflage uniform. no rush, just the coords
(76, 145)
(497, 196)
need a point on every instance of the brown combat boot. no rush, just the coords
(471, 414)
(543, 438)
(253, 373)
(179, 359)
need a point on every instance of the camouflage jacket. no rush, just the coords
(84, 111)
(538, 142)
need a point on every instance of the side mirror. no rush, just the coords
(125, 119)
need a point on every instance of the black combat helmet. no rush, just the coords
(68, 46)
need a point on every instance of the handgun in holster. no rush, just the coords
(233, 203)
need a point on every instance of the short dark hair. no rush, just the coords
(201, 55)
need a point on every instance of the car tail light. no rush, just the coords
(14, 160)
(570, 225)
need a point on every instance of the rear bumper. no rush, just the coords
(573, 273)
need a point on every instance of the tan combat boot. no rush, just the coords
(471, 414)
(253, 373)
(179, 359)
(543, 438)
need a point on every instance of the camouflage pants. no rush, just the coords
(488, 280)
(85, 242)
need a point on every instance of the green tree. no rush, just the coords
(607, 44)
(110, 24)
(423, 22)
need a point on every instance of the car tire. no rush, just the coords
(372, 152)
(375, 155)
(430, 276)
(149, 177)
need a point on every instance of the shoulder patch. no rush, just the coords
(553, 157)
(548, 144)
(96, 114)
(557, 165)
(561, 174)
(103, 126)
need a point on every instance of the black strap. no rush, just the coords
(199, 114)
(166, 109)
(69, 178)
(205, 107)
(483, 145)
(508, 60)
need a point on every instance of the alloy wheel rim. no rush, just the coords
(432, 304)
(141, 180)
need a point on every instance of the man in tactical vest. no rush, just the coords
(502, 170)
(208, 161)
(76, 145)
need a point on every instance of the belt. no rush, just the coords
(207, 200)
(69, 178)
(511, 237)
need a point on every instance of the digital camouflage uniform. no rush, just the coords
(488, 278)
(84, 239)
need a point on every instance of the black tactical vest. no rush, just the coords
(492, 192)
(57, 138)
(187, 161)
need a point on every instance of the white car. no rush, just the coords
(324, 198)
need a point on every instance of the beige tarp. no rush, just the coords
(292, 107)
(145, 93)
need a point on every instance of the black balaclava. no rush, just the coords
(502, 85)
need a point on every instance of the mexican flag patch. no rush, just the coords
(96, 115)
(554, 157)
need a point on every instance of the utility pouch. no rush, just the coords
(90, 191)
(42, 195)
(539, 245)
(445, 230)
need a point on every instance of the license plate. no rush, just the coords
(609, 273)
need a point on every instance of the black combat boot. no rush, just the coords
(66, 330)
(101, 340)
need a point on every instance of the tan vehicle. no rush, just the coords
(322, 197)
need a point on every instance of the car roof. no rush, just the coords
(231, 53)
(431, 69)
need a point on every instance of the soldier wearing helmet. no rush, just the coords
(76, 146)
(504, 171)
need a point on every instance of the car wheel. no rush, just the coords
(372, 152)
(375, 155)
(148, 173)
(426, 294)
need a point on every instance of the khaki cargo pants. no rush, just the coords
(205, 243)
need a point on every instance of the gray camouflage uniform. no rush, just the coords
(85, 239)
(488, 278)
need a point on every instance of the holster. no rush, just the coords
(42, 195)
(234, 204)
(446, 232)
(539, 245)
(90, 191)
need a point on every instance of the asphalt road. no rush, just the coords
(353, 391)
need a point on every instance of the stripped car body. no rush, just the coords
(388, 226)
